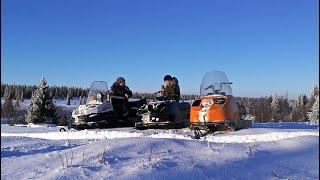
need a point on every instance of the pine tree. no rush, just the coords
(80, 100)
(275, 108)
(16, 94)
(41, 108)
(7, 109)
(68, 97)
(299, 112)
(314, 115)
(313, 94)
(21, 96)
(78, 93)
(285, 107)
(286, 95)
(314, 91)
(17, 104)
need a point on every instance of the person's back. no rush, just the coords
(171, 91)
(177, 89)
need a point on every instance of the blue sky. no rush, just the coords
(262, 45)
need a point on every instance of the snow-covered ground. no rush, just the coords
(266, 151)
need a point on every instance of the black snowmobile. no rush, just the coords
(99, 112)
(163, 113)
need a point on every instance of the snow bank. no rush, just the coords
(235, 137)
(85, 134)
(38, 125)
(265, 137)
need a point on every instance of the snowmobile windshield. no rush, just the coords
(215, 82)
(98, 92)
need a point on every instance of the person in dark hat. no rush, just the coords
(119, 88)
(170, 89)
(120, 93)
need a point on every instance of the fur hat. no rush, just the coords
(167, 77)
(120, 80)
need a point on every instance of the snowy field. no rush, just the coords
(266, 151)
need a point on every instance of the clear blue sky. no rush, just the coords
(262, 45)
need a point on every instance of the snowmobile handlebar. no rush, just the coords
(220, 85)
(158, 92)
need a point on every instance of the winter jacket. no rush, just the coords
(171, 91)
(117, 90)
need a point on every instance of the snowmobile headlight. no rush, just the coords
(220, 101)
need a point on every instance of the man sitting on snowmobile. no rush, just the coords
(171, 91)
(119, 89)
(120, 93)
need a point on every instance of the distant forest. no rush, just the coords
(273, 108)
(20, 92)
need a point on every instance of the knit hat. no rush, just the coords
(167, 77)
(120, 80)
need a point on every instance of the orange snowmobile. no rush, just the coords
(216, 109)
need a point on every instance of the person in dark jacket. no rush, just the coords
(120, 105)
(119, 88)
(177, 88)
(171, 91)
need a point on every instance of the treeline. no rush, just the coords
(42, 108)
(138, 95)
(274, 108)
(21, 92)
(277, 108)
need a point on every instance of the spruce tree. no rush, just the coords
(299, 112)
(41, 108)
(285, 107)
(21, 96)
(313, 94)
(80, 100)
(17, 104)
(68, 97)
(275, 108)
(7, 109)
(286, 96)
(314, 115)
